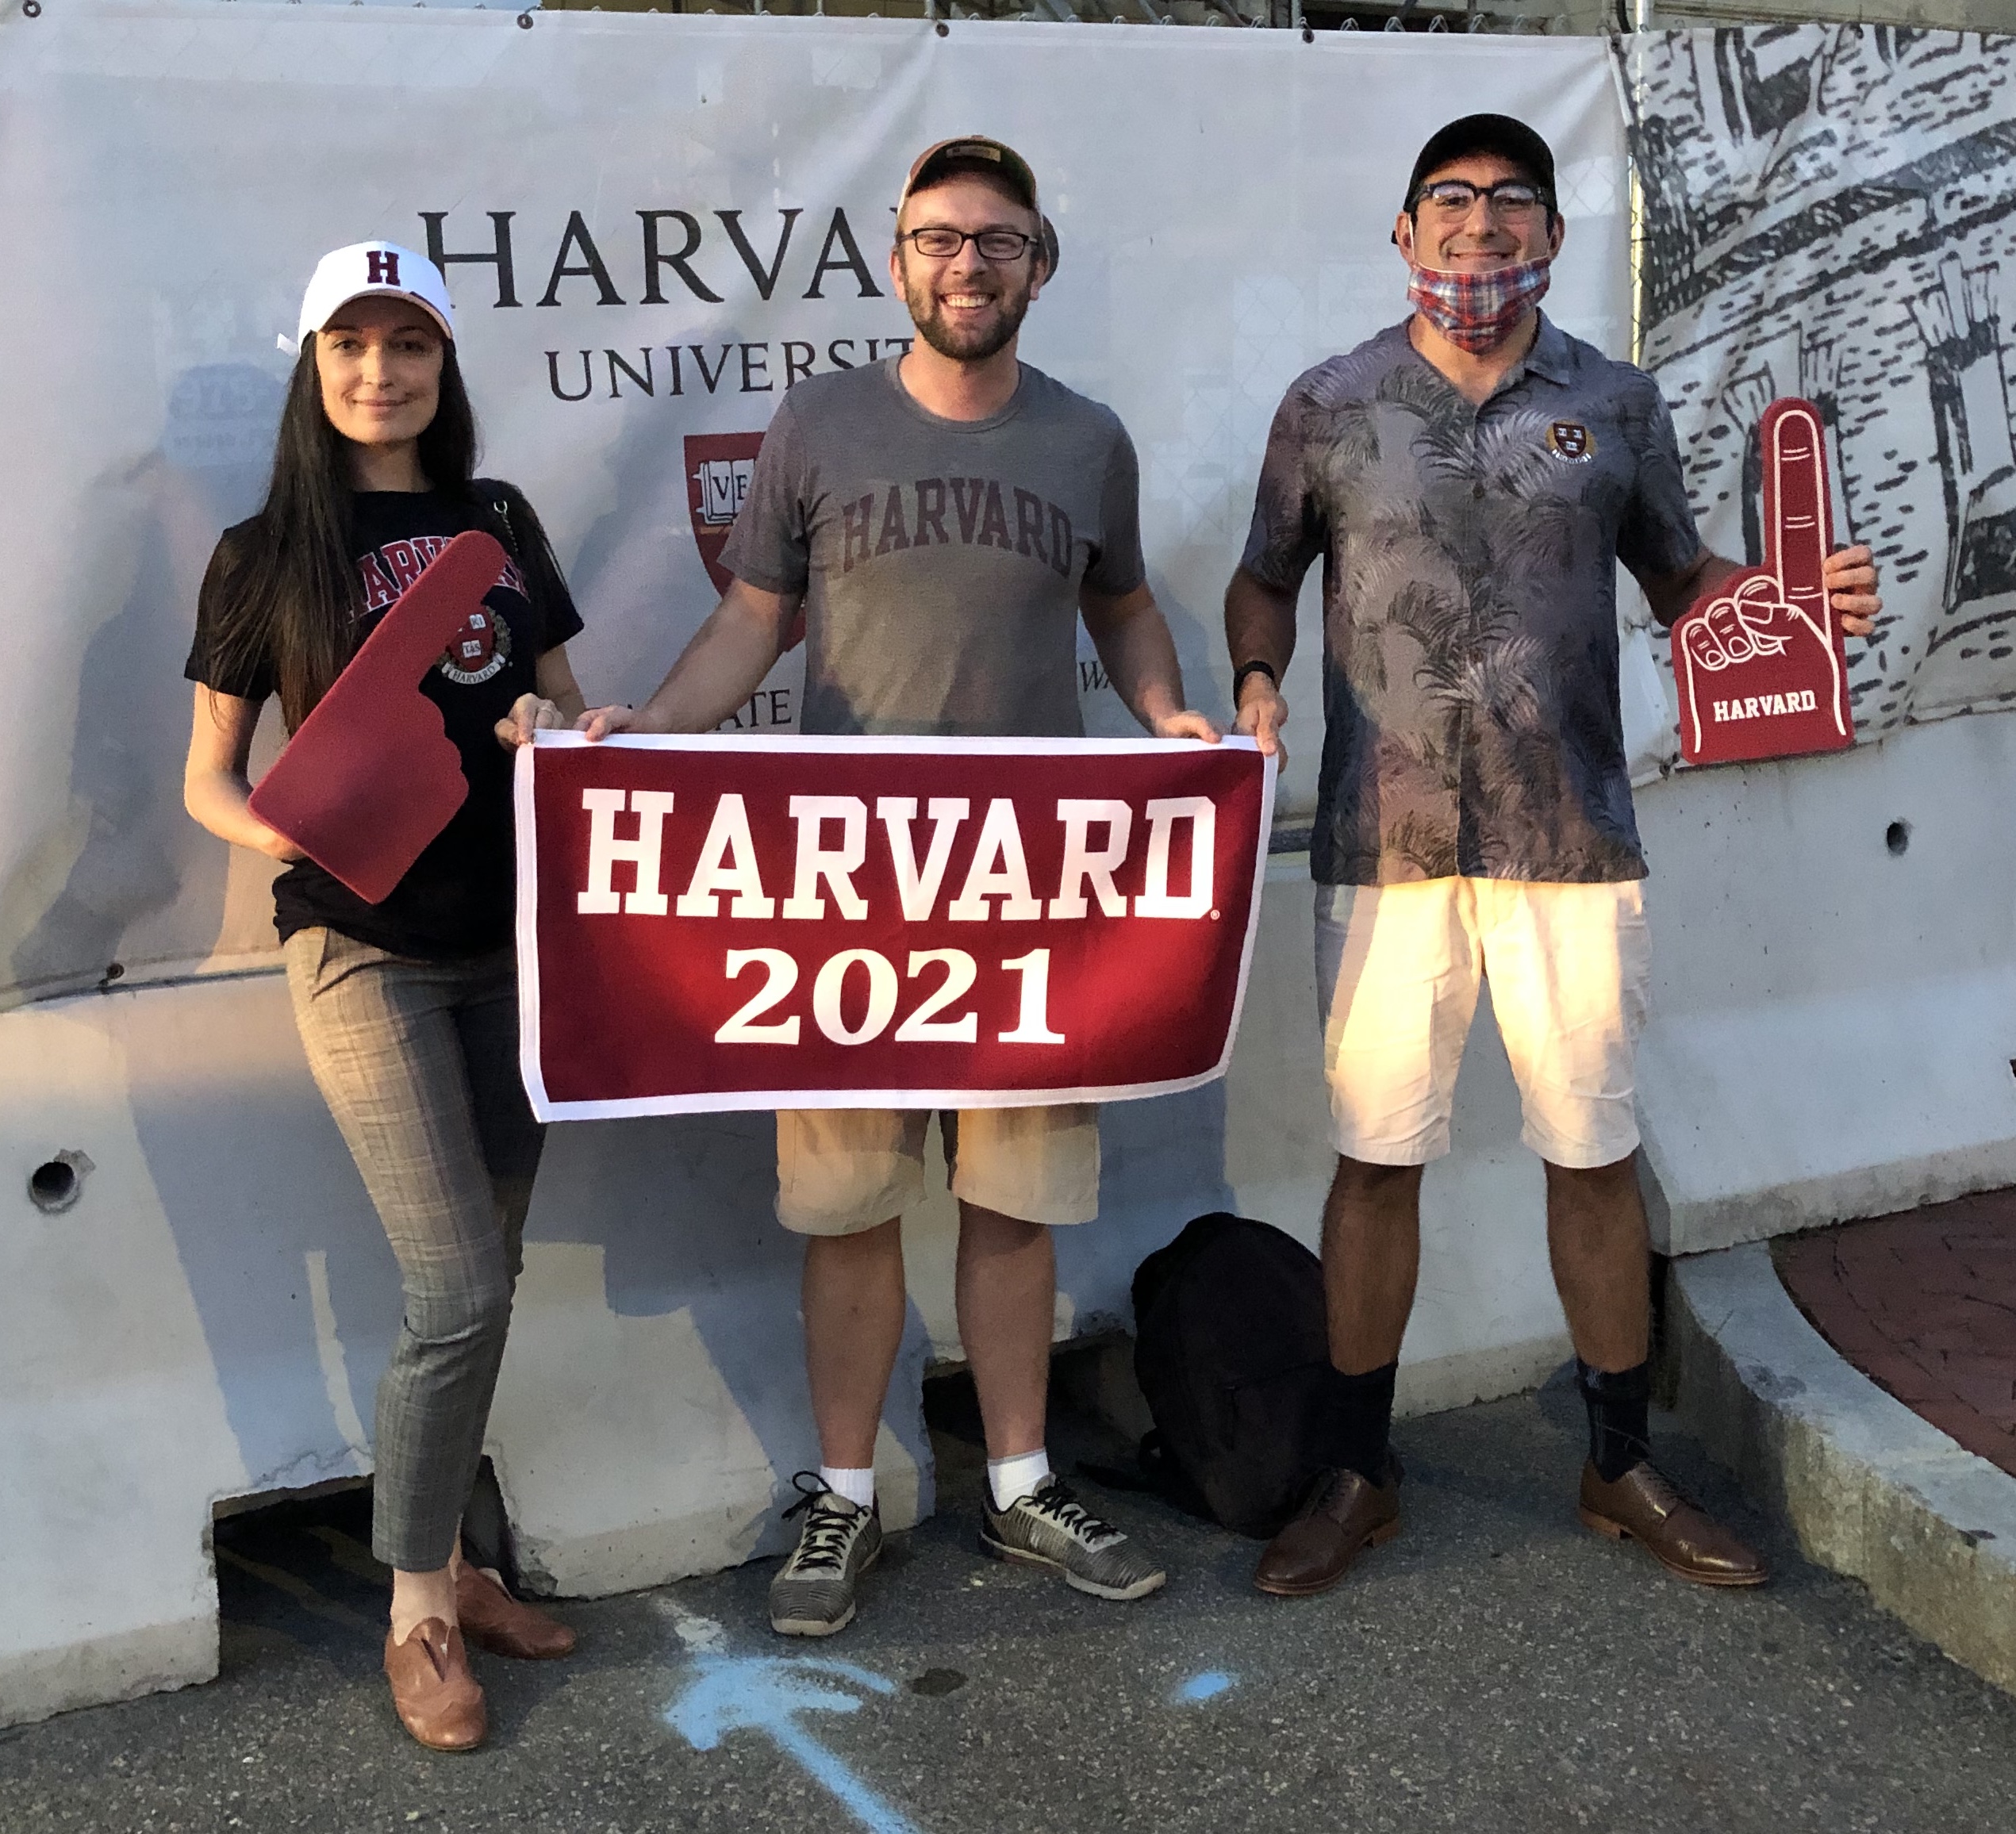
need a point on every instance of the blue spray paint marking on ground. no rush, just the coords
(1200, 1688)
(767, 1694)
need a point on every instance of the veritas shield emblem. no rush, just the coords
(478, 650)
(1571, 440)
(719, 467)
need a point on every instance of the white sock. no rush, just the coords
(857, 1485)
(1011, 1479)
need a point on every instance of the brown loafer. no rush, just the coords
(1642, 1507)
(493, 1620)
(1344, 1514)
(437, 1699)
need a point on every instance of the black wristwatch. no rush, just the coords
(1256, 668)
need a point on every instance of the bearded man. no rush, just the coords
(1470, 478)
(942, 519)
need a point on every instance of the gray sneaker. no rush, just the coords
(812, 1594)
(1053, 1529)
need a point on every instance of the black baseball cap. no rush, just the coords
(1509, 139)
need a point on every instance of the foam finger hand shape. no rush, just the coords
(1760, 666)
(371, 777)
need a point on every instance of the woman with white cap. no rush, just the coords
(407, 1008)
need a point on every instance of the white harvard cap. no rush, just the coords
(368, 267)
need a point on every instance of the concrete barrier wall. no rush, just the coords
(208, 1321)
(1835, 943)
(1833, 1038)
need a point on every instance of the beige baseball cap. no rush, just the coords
(374, 267)
(980, 151)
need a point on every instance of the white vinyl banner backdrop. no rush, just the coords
(653, 226)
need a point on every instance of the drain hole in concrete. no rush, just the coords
(55, 1184)
(1897, 837)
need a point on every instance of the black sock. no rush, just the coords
(1619, 1402)
(1360, 1419)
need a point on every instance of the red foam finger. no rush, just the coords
(1760, 667)
(1798, 519)
(371, 777)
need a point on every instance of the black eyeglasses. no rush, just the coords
(942, 244)
(1509, 197)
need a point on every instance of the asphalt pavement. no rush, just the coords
(1495, 1668)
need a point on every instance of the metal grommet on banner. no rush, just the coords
(524, 22)
(31, 8)
(944, 31)
(1308, 35)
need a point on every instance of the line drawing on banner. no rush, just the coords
(769, 1695)
(1830, 213)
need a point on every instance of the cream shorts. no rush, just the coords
(843, 1170)
(1397, 972)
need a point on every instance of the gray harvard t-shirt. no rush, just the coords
(940, 560)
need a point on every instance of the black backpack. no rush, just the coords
(1233, 1357)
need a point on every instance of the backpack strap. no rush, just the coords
(497, 495)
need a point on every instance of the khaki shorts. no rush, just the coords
(843, 1170)
(1397, 972)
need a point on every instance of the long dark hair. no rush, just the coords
(292, 598)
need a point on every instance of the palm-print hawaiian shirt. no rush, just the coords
(1472, 724)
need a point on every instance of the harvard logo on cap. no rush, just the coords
(374, 267)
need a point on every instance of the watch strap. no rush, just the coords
(1252, 668)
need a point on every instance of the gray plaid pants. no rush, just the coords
(418, 1061)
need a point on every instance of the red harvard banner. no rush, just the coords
(713, 922)
(1760, 667)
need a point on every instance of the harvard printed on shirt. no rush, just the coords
(973, 511)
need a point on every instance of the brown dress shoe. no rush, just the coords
(437, 1699)
(493, 1620)
(1344, 1514)
(1641, 1506)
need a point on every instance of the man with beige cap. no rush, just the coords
(943, 520)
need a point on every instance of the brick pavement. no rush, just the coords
(1924, 1303)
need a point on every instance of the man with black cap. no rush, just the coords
(1469, 478)
(943, 519)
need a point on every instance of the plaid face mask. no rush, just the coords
(1476, 310)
